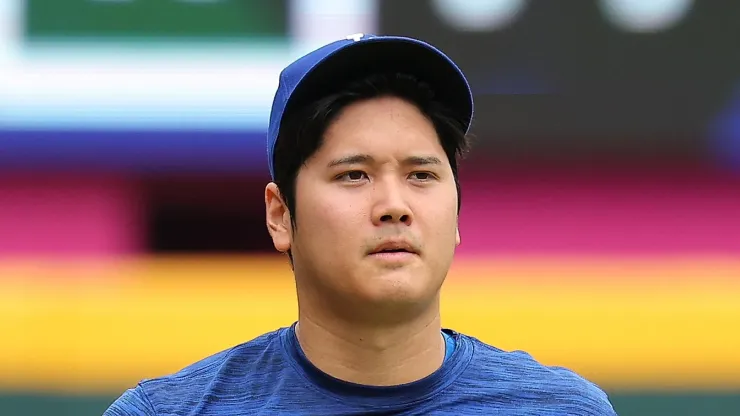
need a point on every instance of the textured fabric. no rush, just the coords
(270, 375)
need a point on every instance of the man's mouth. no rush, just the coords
(394, 250)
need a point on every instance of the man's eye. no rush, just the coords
(353, 176)
(422, 176)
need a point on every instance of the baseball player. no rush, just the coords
(363, 145)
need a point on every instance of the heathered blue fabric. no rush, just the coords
(270, 375)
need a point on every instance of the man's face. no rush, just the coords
(377, 209)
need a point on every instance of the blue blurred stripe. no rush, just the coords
(134, 151)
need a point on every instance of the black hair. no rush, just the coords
(302, 130)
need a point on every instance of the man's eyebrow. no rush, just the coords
(360, 159)
(351, 160)
(422, 160)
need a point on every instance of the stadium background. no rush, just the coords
(601, 204)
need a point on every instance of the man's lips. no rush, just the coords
(394, 251)
(394, 257)
(398, 246)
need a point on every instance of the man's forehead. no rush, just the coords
(381, 143)
(380, 113)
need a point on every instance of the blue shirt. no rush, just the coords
(270, 375)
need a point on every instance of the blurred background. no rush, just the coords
(601, 204)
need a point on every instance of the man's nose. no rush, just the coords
(391, 205)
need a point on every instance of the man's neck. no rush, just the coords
(377, 356)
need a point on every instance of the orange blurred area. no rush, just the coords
(632, 323)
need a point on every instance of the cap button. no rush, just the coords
(355, 37)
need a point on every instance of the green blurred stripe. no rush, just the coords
(28, 404)
(626, 404)
(156, 18)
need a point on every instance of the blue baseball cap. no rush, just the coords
(319, 72)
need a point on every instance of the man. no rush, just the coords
(363, 143)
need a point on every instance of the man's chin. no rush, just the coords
(386, 292)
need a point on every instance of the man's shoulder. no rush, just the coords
(215, 375)
(522, 376)
(243, 358)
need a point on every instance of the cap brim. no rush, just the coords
(384, 54)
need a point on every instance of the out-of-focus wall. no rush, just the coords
(601, 204)
(76, 215)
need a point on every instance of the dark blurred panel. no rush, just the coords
(191, 214)
(563, 81)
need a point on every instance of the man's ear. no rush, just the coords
(278, 218)
(457, 235)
